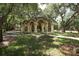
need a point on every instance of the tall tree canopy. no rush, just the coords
(66, 12)
(62, 13)
(15, 11)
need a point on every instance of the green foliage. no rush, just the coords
(16, 13)
(20, 12)
(76, 24)
(53, 11)
(4, 9)
(28, 45)
(69, 41)
(24, 39)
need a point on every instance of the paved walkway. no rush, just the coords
(12, 34)
(15, 33)
(60, 36)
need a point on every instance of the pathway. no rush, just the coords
(9, 36)
(60, 36)
(15, 33)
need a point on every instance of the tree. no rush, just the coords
(15, 12)
(75, 24)
(62, 11)
(5, 9)
(51, 11)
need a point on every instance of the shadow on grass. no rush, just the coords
(69, 41)
(27, 45)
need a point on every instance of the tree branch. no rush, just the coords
(70, 19)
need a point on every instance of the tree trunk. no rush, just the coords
(63, 30)
(63, 25)
(1, 36)
(2, 19)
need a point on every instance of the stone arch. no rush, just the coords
(24, 26)
(31, 25)
(41, 26)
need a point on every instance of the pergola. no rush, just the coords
(40, 24)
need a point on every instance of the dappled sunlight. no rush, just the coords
(54, 52)
(42, 45)
(30, 45)
(39, 29)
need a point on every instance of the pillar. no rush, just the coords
(22, 29)
(42, 27)
(52, 27)
(35, 27)
(46, 27)
(28, 28)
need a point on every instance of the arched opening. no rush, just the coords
(25, 28)
(40, 26)
(32, 26)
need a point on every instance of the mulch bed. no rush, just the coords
(70, 49)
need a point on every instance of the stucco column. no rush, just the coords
(52, 27)
(46, 27)
(28, 28)
(42, 27)
(35, 27)
(22, 29)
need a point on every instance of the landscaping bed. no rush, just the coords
(28, 45)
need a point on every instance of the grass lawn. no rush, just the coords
(69, 34)
(28, 45)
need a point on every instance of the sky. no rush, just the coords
(58, 19)
(42, 6)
